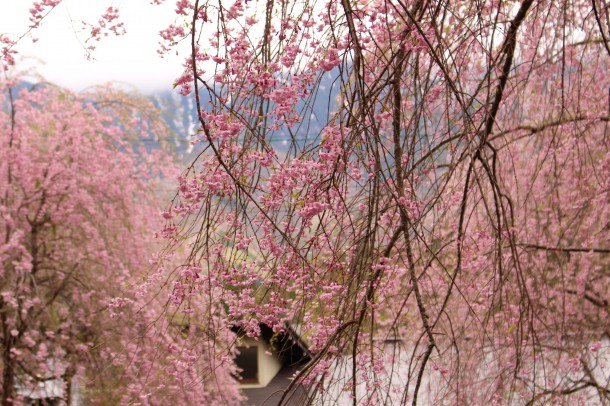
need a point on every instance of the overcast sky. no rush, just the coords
(59, 54)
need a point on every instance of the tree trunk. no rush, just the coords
(8, 363)
(8, 372)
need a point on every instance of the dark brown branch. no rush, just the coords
(509, 51)
(601, 28)
(595, 301)
(536, 129)
(565, 249)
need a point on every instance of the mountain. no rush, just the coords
(181, 116)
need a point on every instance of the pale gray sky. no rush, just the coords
(59, 54)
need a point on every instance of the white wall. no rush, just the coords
(268, 365)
